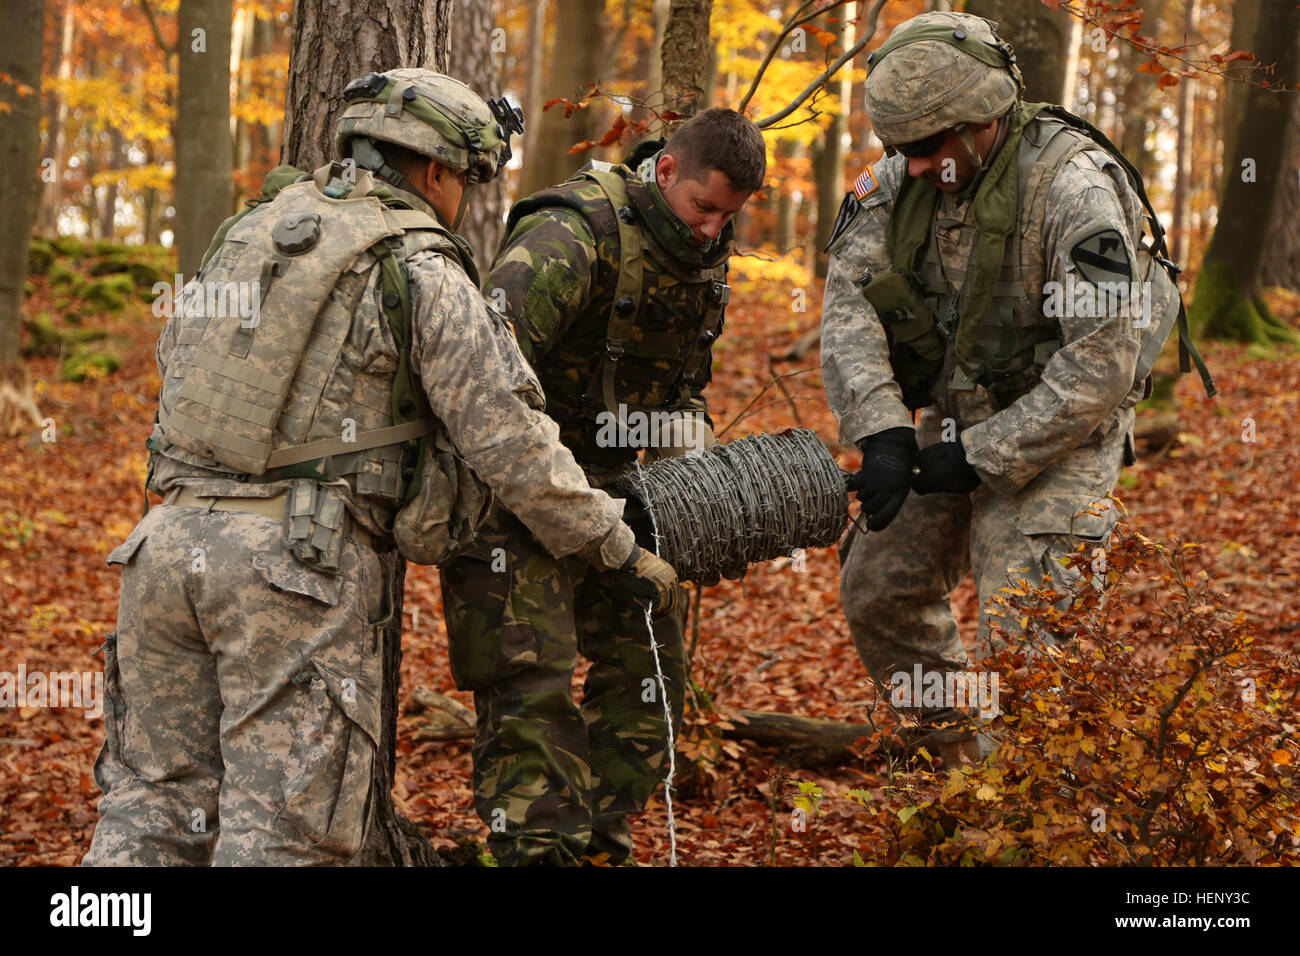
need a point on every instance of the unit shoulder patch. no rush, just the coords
(849, 210)
(1102, 257)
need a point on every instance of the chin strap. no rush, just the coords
(464, 202)
(980, 163)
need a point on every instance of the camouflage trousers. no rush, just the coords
(243, 696)
(554, 780)
(895, 584)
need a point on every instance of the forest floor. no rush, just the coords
(776, 641)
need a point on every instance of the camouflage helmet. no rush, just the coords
(936, 71)
(432, 114)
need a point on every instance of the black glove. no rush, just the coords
(944, 470)
(886, 476)
(650, 580)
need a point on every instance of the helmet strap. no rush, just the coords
(368, 157)
(464, 202)
(982, 163)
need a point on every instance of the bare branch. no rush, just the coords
(1155, 50)
(831, 70)
(795, 21)
(157, 34)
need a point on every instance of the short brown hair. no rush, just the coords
(724, 140)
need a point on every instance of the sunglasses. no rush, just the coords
(928, 146)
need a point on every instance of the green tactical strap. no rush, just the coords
(409, 403)
(631, 269)
(994, 211)
(891, 294)
(1187, 351)
(275, 180)
(699, 359)
(992, 54)
(374, 438)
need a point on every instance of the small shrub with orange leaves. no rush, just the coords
(1160, 735)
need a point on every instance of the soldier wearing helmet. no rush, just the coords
(943, 299)
(370, 408)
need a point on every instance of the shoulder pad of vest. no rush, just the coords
(888, 173)
(582, 195)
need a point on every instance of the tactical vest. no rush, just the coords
(317, 383)
(1015, 340)
(661, 313)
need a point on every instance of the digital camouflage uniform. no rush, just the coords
(554, 780)
(244, 679)
(1048, 440)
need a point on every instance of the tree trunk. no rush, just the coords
(20, 138)
(830, 157)
(1185, 134)
(243, 45)
(786, 209)
(471, 59)
(152, 206)
(687, 58)
(1040, 38)
(203, 148)
(1227, 302)
(1139, 99)
(1281, 264)
(533, 91)
(56, 117)
(654, 87)
(334, 42)
(1245, 21)
(108, 215)
(579, 36)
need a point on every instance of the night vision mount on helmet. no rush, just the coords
(432, 114)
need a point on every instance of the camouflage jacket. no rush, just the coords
(555, 277)
(477, 384)
(1085, 392)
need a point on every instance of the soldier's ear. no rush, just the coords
(667, 170)
(434, 177)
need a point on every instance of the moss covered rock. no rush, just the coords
(72, 248)
(107, 265)
(85, 360)
(65, 279)
(108, 293)
(40, 256)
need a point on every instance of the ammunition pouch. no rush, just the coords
(316, 523)
(441, 520)
(916, 348)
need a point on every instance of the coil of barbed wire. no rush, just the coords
(715, 513)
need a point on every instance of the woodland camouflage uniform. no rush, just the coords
(1042, 406)
(553, 780)
(245, 675)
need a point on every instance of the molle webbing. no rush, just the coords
(232, 396)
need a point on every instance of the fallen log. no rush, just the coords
(808, 740)
(801, 346)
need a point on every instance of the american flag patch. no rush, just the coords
(865, 184)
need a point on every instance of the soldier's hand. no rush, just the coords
(886, 476)
(651, 580)
(943, 469)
